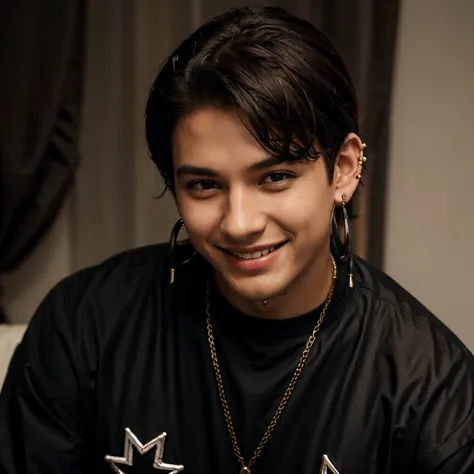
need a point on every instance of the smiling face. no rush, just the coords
(263, 225)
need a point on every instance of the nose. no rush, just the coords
(243, 220)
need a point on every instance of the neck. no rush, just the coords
(305, 293)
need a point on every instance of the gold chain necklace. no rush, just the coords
(291, 386)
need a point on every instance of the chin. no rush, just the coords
(258, 288)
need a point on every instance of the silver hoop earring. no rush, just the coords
(176, 262)
(341, 250)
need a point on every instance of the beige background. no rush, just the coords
(430, 217)
(430, 221)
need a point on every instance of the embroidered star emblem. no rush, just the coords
(327, 464)
(132, 441)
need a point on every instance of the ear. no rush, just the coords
(348, 167)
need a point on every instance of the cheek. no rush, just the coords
(201, 218)
(305, 209)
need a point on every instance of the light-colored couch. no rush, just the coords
(10, 336)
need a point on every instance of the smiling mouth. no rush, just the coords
(257, 254)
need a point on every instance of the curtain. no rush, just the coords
(41, 60)
(113, 205)
(364, 32)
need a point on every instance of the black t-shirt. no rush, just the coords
(387, 387)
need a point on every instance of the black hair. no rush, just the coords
(280, 73)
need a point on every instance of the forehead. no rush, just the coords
(214, 137)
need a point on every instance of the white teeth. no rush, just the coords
(260, 253)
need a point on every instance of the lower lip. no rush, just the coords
(254, 264)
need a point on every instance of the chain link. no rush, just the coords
(288, 392)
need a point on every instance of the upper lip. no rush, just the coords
(257, 248)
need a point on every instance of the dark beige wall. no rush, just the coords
(430, 217)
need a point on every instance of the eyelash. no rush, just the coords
(195, 185)
(278, 173)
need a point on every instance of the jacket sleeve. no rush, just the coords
(446, 442)
(42, 418)
(461, 462)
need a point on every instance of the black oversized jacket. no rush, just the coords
(387, 387)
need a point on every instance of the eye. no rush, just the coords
(276, 177)
(201, 185)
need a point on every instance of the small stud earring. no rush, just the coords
(358, 176)
(362, 158)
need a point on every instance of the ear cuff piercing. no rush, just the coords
(362, 160)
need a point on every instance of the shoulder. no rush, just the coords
(96, 296)
(120, 291)
(125, 268)
(125, 271)
(92, 309)
(426, 358)
(396, 309)
(429, 369)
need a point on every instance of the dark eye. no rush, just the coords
(276, 177)
(202, 185)
(206, 184)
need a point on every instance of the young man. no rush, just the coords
(262, 346)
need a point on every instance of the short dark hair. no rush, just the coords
(279, 72)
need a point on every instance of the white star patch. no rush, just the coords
(130, 441)
(327, 464)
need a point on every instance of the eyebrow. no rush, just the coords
(195, 171)
(203, 171)
(266, 163)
